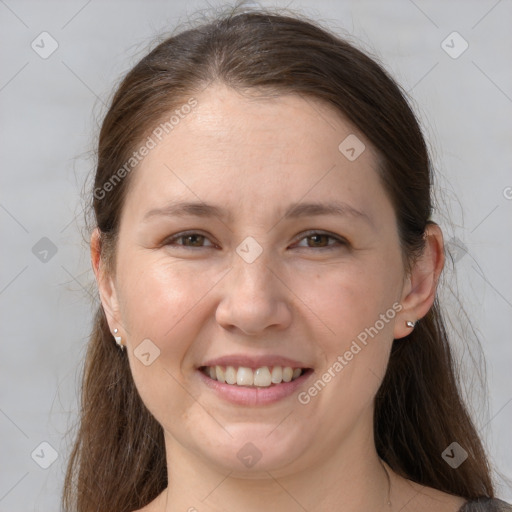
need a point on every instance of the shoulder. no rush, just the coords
(486, 505)
(411, 496)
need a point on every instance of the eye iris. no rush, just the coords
(193, 237)
(317, 237)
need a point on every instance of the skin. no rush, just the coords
(196, 299)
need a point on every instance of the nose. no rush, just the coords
(254, 297)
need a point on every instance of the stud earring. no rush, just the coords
(410, 324)
(118, 339)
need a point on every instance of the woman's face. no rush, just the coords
(250, 286)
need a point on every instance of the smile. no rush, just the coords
(245, 386)
(264, 376)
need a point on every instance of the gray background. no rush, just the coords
(50, 109)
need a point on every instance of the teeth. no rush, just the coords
(287, 374)
(260, 377)
(277, 374)
(244, 377)
(220, 374)
(230, 375)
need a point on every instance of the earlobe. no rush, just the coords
(106, 287)
(421, 286)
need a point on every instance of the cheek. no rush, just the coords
(348, 299)
(158, 300)
(357, 317)
(357, 307)
(164, 303)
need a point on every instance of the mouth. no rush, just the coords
(261, 377)
(251, 387)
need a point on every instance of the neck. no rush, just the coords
(352, 478)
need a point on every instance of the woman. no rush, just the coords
(268, 336)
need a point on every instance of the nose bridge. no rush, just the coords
(251, 272)
(252, 297)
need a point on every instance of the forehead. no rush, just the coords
(225, 118)
(254, 150)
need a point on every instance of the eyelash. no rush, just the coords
(341, 242)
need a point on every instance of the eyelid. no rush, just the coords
(305, 234)
(183, 234)
(341, 241)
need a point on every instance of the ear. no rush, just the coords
(421, 284)
(106, 286)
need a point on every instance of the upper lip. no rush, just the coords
(254, 361)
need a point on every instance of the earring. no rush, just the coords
(118, 339)
(410, 324)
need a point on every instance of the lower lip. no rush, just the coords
(245, 395)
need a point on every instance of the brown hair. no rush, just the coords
(118, 459)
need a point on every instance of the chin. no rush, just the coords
(256, 450)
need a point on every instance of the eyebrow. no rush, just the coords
(294, 211)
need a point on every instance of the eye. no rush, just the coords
(196, 239)
(321, 239)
